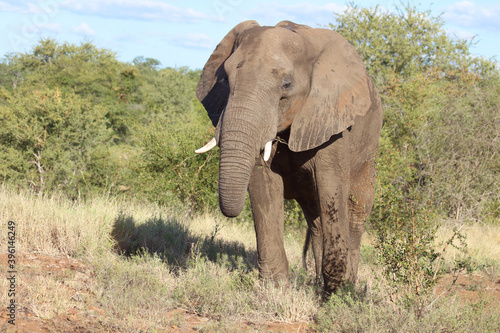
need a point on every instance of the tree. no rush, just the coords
(76, 119)
(146, 63)
(50, 140)
(406, 42)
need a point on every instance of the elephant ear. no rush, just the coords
(213, 88)
(339, 91)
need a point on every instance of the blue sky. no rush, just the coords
(184, 33)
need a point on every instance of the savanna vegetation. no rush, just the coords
(97, 162)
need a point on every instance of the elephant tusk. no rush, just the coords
(207, 147)
(267, 150)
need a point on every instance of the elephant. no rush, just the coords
(296, 116)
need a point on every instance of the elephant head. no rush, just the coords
(261, 81)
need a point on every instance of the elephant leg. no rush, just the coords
(313, 237)
(360, 205)
(266, 196)
(333, 194)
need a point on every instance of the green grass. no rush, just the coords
(146, 260)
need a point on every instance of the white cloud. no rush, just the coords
(83, 29)
(7, 7)
(303, 13)
(31, 6)
(192, 41)
(469, 14)
(141, 9)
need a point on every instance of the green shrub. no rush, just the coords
(171, 172)
(404, 237)
(53, 141)
(459, 148)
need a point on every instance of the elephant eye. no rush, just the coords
(287, 83)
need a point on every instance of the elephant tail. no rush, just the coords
(306, 247)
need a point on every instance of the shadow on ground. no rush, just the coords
(172, 241)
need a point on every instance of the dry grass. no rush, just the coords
(483, 244)
(209, 270)
(48, 297)
(53, 225)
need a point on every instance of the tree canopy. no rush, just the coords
(406, 42)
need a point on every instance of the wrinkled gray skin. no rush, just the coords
(307, 90)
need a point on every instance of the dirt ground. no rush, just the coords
(82, 312)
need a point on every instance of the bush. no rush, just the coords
(53, 141)
(170, 172)
(404, 238)
(459, 152)
(94, 123)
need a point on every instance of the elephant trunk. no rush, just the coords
(234, 175)
(242, 136)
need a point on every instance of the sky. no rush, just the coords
(185, 32)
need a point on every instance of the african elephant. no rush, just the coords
(297, 117)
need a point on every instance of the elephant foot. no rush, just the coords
(276, 275)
